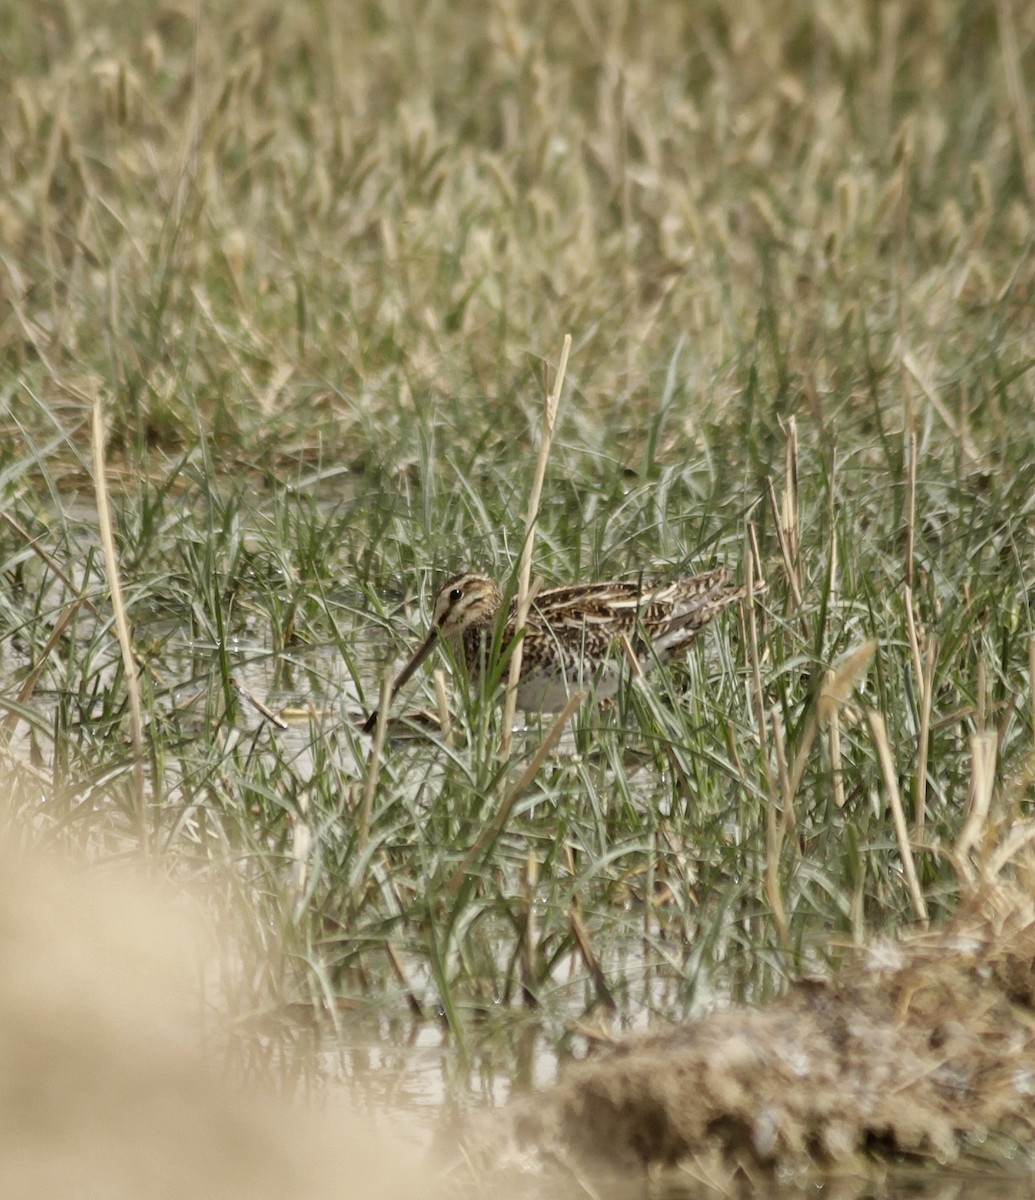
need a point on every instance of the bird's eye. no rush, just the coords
(455, 594)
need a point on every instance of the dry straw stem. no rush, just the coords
(913, 636)
(785, 549)
(790, 825)
(981, 693)
(111, 566)
(442, 705)
(753, 655)
(786, 515)
(911, 514)
(300, 847)
(776, 827)
(923, 666)
(834, 747)
(979, 799)
(834, 561)
(635, 667)
(924, 748)
(791, 507)
(879, 732)
(525, 562)
(529, 942)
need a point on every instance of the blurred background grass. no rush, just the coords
(335, 229)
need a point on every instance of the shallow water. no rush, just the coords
(379, 1052)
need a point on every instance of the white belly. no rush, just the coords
(548, 690)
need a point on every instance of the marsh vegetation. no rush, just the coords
(312, 267)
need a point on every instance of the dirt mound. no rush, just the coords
(923, 1049)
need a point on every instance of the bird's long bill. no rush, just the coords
(419, 655)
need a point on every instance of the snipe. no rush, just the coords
(570, 633)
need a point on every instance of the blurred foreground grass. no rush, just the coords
(317, 261)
